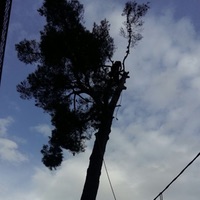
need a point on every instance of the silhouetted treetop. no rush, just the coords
(73, 81)
(59, 13)
(70, 80)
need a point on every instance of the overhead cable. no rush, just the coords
(161, 193)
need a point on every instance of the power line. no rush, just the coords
(161, 193)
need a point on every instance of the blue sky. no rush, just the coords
(157, 131)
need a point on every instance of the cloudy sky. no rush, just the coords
(157, 131)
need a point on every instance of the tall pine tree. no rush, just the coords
(74, 81)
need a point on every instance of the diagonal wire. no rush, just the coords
(107, 173)
(161, 193)
(109, 180)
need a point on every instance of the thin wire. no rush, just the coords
(160, 194)
(109, 180)
(104, 162)
(107, 174)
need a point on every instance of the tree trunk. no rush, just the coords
(96, 159)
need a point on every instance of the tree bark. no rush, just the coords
(102, 136)
(96, 160)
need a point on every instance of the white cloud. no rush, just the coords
(9, 151)
(44, 129)
(66, 182)
(8, 148)
(4, 123)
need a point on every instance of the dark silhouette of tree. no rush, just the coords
(74, 81)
